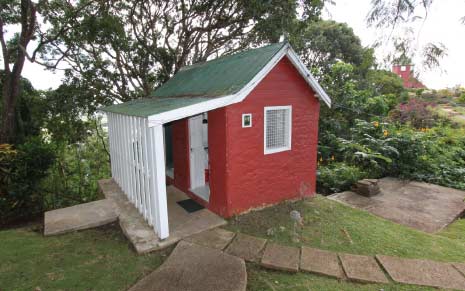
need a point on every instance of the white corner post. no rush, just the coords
(158, 199)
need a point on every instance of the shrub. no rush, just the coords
(417, 113)
(461, 98)
(337, 176)
(22, 169)
(435, 156)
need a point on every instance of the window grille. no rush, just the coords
(277, 129)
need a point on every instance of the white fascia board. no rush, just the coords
(190, 110)
(321, 94)
(215, 103)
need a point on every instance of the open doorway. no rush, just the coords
(199, 166)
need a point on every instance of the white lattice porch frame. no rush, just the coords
(138, 166)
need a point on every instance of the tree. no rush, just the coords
(125, 49)
(322, 43)
(121, 50)
(23, 14)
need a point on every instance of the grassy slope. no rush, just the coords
(97, 259)
(100, 259)
(332, 226)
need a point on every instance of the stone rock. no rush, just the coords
(362, 269)
(79, 217)
(246, 247)
(422, 272)
(320, 262)
(281, 257)
(196, 268)
(216, 238)
(366, 187)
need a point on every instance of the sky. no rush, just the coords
(441, 25)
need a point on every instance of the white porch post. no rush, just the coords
(158, 180)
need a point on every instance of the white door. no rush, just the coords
(198, 151)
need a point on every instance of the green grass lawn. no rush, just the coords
(101, 259)
(97, 259)
(332, 226)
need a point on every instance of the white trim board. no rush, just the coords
(215, 103)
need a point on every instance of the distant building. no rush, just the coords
(405, 72)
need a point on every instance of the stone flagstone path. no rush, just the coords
(357, 268)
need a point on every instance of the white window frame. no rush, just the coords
(281, 149)
(403, 68)
(243, 120)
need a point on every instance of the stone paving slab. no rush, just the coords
(320, 262)
(79, 217)
(422, 272)
(460, 267)
(246, 247)
(362, 269)
(281, 257)
(423, 206)
(216, 238)
(196, 268)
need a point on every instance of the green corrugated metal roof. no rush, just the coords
(150, 106)
(223, 76)
(200, 82)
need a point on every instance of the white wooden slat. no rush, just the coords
(160, 182)
(133, 189)
(120, 152)
(143, 168)
(145, 138)
(110, 145)
(140, 167)
(153, 186)
(127, 142)
(117, 140)
(136, 163)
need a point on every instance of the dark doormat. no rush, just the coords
(190, 205)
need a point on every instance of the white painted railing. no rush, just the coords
(138, 166)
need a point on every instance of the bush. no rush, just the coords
(22, 169)
(461, 98)
(417, 113)
(434, 156)
(337, 176)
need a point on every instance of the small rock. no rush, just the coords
(270, 232)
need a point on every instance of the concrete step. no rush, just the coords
(78, 217)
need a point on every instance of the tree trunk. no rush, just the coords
(10, 95)
(13, 77)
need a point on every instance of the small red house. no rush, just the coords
(234, 133)
(405, 72)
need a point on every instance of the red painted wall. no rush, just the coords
(407, 76)
(241, 175)
(255, 179)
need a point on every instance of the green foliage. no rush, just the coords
(461, 98)
(323, 43)
(30, 110)
(79, 165)
(435, 156)
(384, 82)
(22, 170)
(336, 177)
